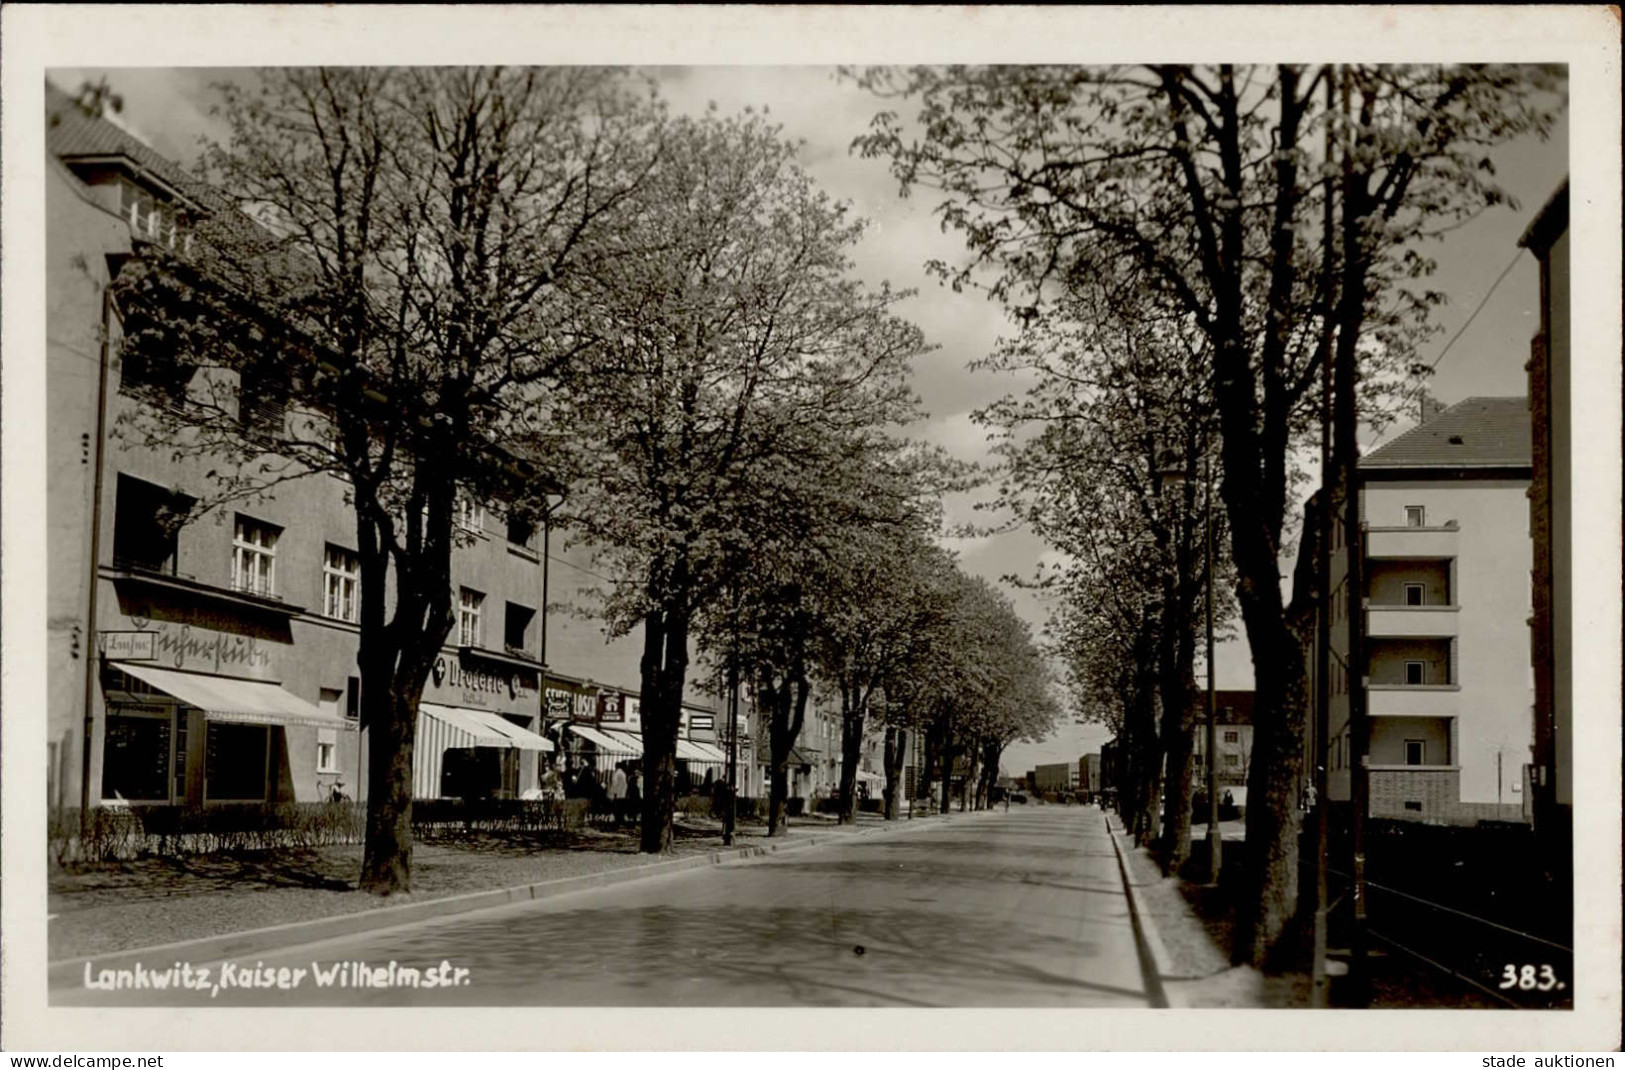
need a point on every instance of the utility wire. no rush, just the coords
(1482, 302)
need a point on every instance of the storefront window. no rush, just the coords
(135, 760)
(236, 767)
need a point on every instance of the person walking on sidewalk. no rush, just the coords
(617, 793)
(634, 795)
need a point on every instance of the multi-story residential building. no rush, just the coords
(1551, 523)
(215, 661)
(1447, 677)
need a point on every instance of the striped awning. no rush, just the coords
(623, 744)
(694, 751)
(516, 737)
(232, 700)
(470, 731)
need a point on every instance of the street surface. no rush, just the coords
(1017, 909)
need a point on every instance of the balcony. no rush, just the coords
(1413, 700)
(1408, 542)
(1407, 622)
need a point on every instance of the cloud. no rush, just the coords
(961, 436)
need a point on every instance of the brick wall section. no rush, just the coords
(1438, 790)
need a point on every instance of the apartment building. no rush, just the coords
(214, 661)
(1449, 688)
(1233, 743)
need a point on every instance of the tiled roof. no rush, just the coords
(1476, 433)
(70, 134)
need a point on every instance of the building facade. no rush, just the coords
(1233, 742)
(1089, 775)
(1056, 776)
(1449, 688)
(215, 661)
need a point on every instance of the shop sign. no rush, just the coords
(198, 649)
(477, 685)
(571, 705)
(130, 646)
(612, 707)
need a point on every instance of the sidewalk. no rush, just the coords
(1188, 933)
(151, 902)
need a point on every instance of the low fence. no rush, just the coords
(1481, 904)
(118, 833)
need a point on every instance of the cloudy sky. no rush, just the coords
(170, 108)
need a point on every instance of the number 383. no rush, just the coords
(1540, 978)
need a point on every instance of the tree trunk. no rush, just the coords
(896, 750)
(662, 671)
(966, 786)
(1177, 687)
(386, 861)
(784, 729)
(1142, 757)
(852, 711)
(393, 675)
(947, 752)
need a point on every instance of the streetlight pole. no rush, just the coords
(729, 812)
(1215, 841)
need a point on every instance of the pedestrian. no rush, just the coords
(587, 788)
(634, 796)
(617, 793)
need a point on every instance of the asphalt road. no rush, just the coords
(1017, 909)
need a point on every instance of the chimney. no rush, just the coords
(1431, 407)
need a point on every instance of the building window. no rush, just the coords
(341, 584)
(146, 524)
(327, 749)
(352, 698)
(332, 701)
(1232, 761)
(1416, 673)
(516, 627)
(253, 557)
(468, 618)
(1414, 594)
(470, 513)
(521, 530)
(262, 405)
(237, 762)
(1416, 752)
(1232, 737)
(137, 754)
(1415, 516)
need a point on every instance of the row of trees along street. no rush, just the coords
(535, 286)
(1185, 250)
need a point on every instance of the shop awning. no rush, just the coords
(235, 701)
(473, 732)
(520, 738)
(608, 742)
(694, 751)
(872, 778)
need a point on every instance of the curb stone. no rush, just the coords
(64, 973)
(1155, 961)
